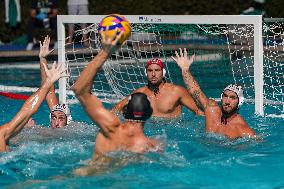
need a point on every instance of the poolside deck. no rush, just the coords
(21, 55)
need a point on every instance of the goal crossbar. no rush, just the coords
(254, 20)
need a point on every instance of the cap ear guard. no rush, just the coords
(164, 72)
(241, 100)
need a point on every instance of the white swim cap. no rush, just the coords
(63, 108)
(238, 90)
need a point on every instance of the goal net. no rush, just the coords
(228, 49)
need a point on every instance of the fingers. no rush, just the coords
(46, 40)
(118, 37)
(185, 51)
(103, 36)
(192, 58)
(54, 65)
(174, 58)
(113, 37)
(64, 73)
(62, 70)
(177, 55)
(180, 52)
(51, 51)
(60, 66)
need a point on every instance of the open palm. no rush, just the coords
(182, 59)
(44, 48)
(57, 71)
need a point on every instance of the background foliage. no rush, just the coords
(274, 8)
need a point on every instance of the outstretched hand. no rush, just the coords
(110, 43)
(182, 59)
(44, 48)
(57, 71)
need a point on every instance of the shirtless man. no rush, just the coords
(12, 128)
(59, 113)
(114, 135)
(166, 99)
(224, 120)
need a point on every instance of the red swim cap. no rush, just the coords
(155, 61)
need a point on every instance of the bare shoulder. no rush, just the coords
(176, 88)
(244, 127)
(242, 123)
(212, 103)
(141, 89)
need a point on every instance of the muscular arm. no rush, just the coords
(3, 145)
(30, 107)
(92, 105)
(188, 102)
(246, 131)
(192, 85)
(44, 52)
(106, 120)
(194, 89)
(119, 106)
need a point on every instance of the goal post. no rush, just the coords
(137, 48)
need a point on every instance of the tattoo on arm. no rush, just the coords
(196, 98)
(194, 89)
(211, 103)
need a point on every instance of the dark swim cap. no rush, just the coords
(138, 107)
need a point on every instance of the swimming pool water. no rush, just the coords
(45, 158)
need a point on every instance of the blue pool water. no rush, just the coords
(45, 158)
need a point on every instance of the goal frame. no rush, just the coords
(255, 20)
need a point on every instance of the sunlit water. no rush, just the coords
(42, 157)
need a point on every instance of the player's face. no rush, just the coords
(230, 101)
(58, 119)
(154, 74)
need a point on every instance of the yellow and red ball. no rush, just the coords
(114, 24)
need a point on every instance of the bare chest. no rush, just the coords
(164, 102)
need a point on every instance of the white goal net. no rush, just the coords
(228, 49)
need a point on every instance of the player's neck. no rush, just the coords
(134, 127)
(156, 88)
(228, 117)
(134, 123)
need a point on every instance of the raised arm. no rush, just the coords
(119, 106)
(106, 120)
(193, 87)
(188, 102)
(43, 53)
(30, 106)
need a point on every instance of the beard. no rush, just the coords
(228, 114)
(155, 87)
